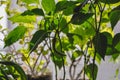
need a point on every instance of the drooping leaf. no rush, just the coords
(114, 17)
(100, 44)
(31, 1)
(79, 18)
(38, 37)
(89, 71)
(20, 18)
(110, 1)
(35, 11)
(48, 5)
(17, 68)
(15, 35)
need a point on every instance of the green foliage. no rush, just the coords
(35, 11)
(24, 19)
(100, 44)
(79, 18)
(48, 5)
(110, 1)
(58, 60)
(38, 37)
(15, 35)
(76, 54)
(89, 71)
(30, 1)
(64, 6)
(114, 17)
(110, 49)
(17, 68)
(116, 42)
(62, 26)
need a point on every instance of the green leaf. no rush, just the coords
(89, 71)
(15, 35)
(114, 17)
(31, 1)
(76, 54)
(38, 37)
(116, 42)
(4, 74)
(115, 56)
(116, 39)
(110, 49)
(66, 6)
(48, 5)
(79, 18)
(109, 37)
(35, 11)
(17, 68)
(70, 37)
(110, 1)
(100, 44)
(57, 59)
(63, 24)
(105, 20)
(20, 18)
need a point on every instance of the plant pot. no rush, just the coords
(41, 77)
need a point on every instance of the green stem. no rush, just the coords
(93, 70)
(36, 62)
(101, 12)
(62, 57)
(53, 57)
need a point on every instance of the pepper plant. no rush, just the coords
(70, 30)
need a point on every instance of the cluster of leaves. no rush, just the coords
(81, 22)
(10, 70)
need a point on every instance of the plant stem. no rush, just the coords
(78, 75)
(101, 11)
(52, 55)
(36, 62)
(62, 56)
(70, 70)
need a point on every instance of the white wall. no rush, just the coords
(3, 23)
